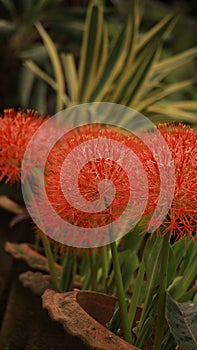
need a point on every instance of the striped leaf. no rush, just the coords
(182, 319)
(70, 75)
(93, 34)
(55, 60)
(142, 103)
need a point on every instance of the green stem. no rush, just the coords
(136, 293)
(64, 272)
(150, 289)
(46, 245)
(162, 295)
(121, 294)
(190, 273)
(86, 274)
(68, 270)
(104, 264)
(86, 281)
(178, 289)
(36, 244)
(51, 262)
(93, 271)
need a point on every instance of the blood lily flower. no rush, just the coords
(181, 220)
(107, 170)
(16, 129)
(182, 217)
(89, 177)
(182, 143)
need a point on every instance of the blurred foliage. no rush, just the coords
(20, 40)
(129, 71)
(64, 22)
(63, 19)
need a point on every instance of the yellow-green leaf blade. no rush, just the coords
(55, 60)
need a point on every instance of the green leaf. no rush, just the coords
(25, 87)
(168, 65)
(129, 263)
(171, 272)
(131, 38)
(157, 33)
(187, 296)
(68, 272)
(175, 288)
(111, 69)
(55, 60)
(7, 27)
(44, 76)
(143, 102)
(189, 257)
(170, 110)
(90, 51)
(141, 75)
(186, 105)
(182, 284)
(85, 271)
(120, 57)
(71, 75)
(40, 73)
(179, 250)
(144, 333)
(39, 97)
(115, 322)
(182, 319)
(133, 239)
(150, 253)
(37, 52)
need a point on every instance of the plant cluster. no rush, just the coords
(162, 279)
(154, 272)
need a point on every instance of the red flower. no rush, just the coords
(16, 129)
(94, 174)
(93, 178)
(182, 217)
(181, 220)
(91, 174)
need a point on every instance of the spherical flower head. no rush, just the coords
(94, 178)
(90, 176)
(16, 130)
(181, 220)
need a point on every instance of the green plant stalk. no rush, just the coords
(189, 274)
(150, 287)
(162, 295)
(67, 272)
(93, 271)
(64, 271)
(47, 249)
(36, 244)
(51, 262)
(168, 342)
(86, 275)
(121, 294)
(136, 294)
(104, 264)
(186, 280)
(55, 255)
(55, 60)
(86, 285)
